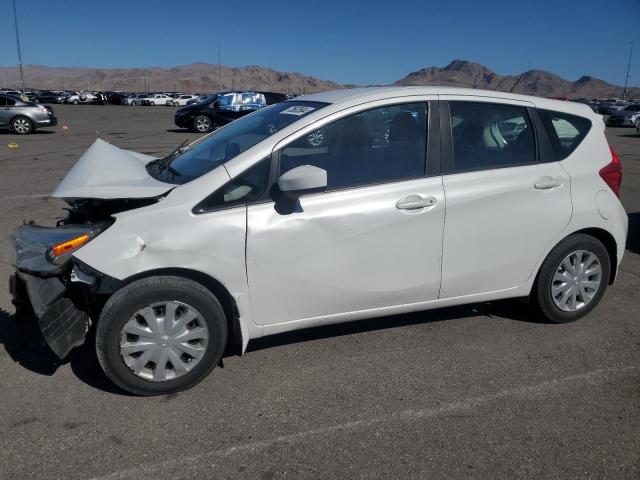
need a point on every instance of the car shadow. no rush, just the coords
(178, 130)
(633, 235)
(630, 135)
(24, 343)
(516, 310)
(35, 132)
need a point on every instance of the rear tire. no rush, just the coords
(157, 296)
(21, 126)
(572, 279)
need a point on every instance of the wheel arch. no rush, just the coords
(235, 340)
(603, 236)
(610, 244)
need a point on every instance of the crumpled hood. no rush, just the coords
(107, 172)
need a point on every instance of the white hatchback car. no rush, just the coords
(417, 198)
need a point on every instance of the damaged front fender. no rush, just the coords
(57, 290)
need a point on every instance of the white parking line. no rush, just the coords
(594, 376)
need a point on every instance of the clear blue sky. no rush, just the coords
(364, 41)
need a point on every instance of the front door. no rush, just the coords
(372, 240)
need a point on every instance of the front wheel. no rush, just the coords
(202, 124)
(21, 125)
(160, 335)
(572, 279)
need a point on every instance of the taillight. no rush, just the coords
(612, 173)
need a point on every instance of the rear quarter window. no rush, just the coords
(566, 131)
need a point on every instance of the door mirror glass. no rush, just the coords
(303, 179)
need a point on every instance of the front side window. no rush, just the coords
(488, 135)
(245, 188)
(566, 131)
(383, 144)
(222, 145)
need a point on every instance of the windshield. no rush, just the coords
(186, 164)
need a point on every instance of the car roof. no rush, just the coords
(354, 96)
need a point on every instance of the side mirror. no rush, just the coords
(303, 179)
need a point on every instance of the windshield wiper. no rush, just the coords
(165, 163)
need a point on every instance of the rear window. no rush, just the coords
(566, 131)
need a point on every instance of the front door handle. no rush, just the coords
(545, 183)
(415, 202)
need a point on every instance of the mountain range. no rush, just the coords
(203, 77)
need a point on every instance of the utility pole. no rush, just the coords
(269, 76)
(219, 71)
(15, 21)
(626, 79)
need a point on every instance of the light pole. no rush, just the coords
(219, 74)
(15, 21)
(626, 79)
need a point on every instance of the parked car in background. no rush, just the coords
(113, 98)
(133, 99)
(221, 108)
(76, 98)
(616, 106)
(182, 100)
(49, 96)
(156, 99)
(24, 117)
(625, 117)
(283, 235)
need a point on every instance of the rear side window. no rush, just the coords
(490, 135)
(565, 130)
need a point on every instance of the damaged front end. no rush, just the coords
(63, 293)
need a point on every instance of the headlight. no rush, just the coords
(60, 251)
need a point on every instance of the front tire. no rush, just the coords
(21, 126)
(202, 124)
(160, 335)
(572, 279)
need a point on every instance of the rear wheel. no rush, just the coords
(572, 279)
(160, 335)
(202, 124)
(21, 125)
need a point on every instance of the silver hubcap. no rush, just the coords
(576, 280)
(316, 138)
(21, 125)
(202, 124)
(164, 340)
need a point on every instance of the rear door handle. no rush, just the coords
(545, 183)
(415, 202)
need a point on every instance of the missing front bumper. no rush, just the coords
(63, 324)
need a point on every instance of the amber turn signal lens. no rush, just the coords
(69, 245)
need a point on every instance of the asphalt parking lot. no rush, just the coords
(483, 391)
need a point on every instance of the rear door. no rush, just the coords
(507, 198)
